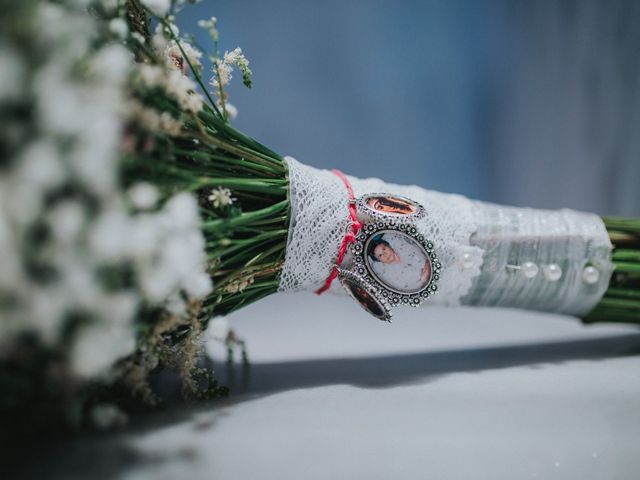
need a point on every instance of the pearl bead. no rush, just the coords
(467, 261)
(529, 269)
(552, 272)
(590, 275)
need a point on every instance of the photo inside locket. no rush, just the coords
(391, 205)
(366, 301)
(398, 261)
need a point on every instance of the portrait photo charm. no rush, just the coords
(365, 294)
(387, 206)
(391, 262)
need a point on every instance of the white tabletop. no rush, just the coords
(438, 394)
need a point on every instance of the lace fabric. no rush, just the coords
(481, 246)
(320, 219)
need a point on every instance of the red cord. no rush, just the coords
(349, 237)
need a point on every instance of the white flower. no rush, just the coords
(151, 75)
(153, 120)
(119, 28)
(222, 70)
(40, 166)
(211, 26)
(184, 91)
(66, 220)
(158, 7)
(175, 59)
(218, 328)
(99, 346)
(221, 75)
(11, 80)
(138, 37)
(181, 212)
(198, 284)
(143, 195)
(175, 304)
(109, 235)
(112, 63)
(220, 197)
(232, 57)
(231, 109)
(110, 5)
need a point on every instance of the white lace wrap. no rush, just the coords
(320, 219)
(481, 246)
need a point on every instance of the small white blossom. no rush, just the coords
(158, 7)
(221, 75)
(11, 80)
(198, 285)
(119, 28)
(99, 347)
(220, 197)
(67, 220)
(143, 195)
(108, 237)
(218, 328)
(175, 58)
(231, 109)
(138, 37)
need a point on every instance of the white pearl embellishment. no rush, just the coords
(552, 272)
(529, 270)
(590, 275)
(467, 261)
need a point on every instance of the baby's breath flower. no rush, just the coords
(238, 285)
(143, 195)
(211, 26)
(138, 37)
(218, 328)
(232, 111)
(154, 121)
(176, 60)
(158, 7)
(223, 69)
(119, 27)
(175, 83)
(220, 197)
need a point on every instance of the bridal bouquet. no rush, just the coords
(133, 215)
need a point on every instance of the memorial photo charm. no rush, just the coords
(392, 263)
(386, 206)
(365, 294)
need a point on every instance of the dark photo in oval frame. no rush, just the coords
(365, 299)
(392, 205)
(398, 261)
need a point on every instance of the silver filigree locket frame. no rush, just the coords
(361, 272)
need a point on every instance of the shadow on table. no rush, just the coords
(107, 456)
(406, 368)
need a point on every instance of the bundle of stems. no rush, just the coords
(245, 236)
(621, 302)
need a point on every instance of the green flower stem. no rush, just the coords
(234, 245)
(215, 160)
(238, 259)
(242, 151)
(621, 302)
(233, 132)
(626, 255)
(623, 292)
(246, 218)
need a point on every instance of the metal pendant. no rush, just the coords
(390, 260)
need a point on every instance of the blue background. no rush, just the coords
(523, 103)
